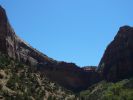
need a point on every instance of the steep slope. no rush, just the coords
(67, 75)
(117, 61)
(15, 47)
(21, 82)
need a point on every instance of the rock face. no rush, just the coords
(15, 47)
(117, 61)
(67, 75)
(70, 75)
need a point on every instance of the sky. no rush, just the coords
(69, 30)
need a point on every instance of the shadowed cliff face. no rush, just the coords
(3, 30)
(71, 76)
(68, 75)
(117, 61)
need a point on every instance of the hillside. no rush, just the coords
(122, 90)
(21, 82)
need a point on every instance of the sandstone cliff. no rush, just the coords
(15, 47)
(117, 61)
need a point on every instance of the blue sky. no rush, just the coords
(69, 30)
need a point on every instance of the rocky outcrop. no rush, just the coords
(117, 61)
(89, 68)
(67, 75)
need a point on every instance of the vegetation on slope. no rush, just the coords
(22, 82)
(122, 90)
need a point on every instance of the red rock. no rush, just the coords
(117, 61)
